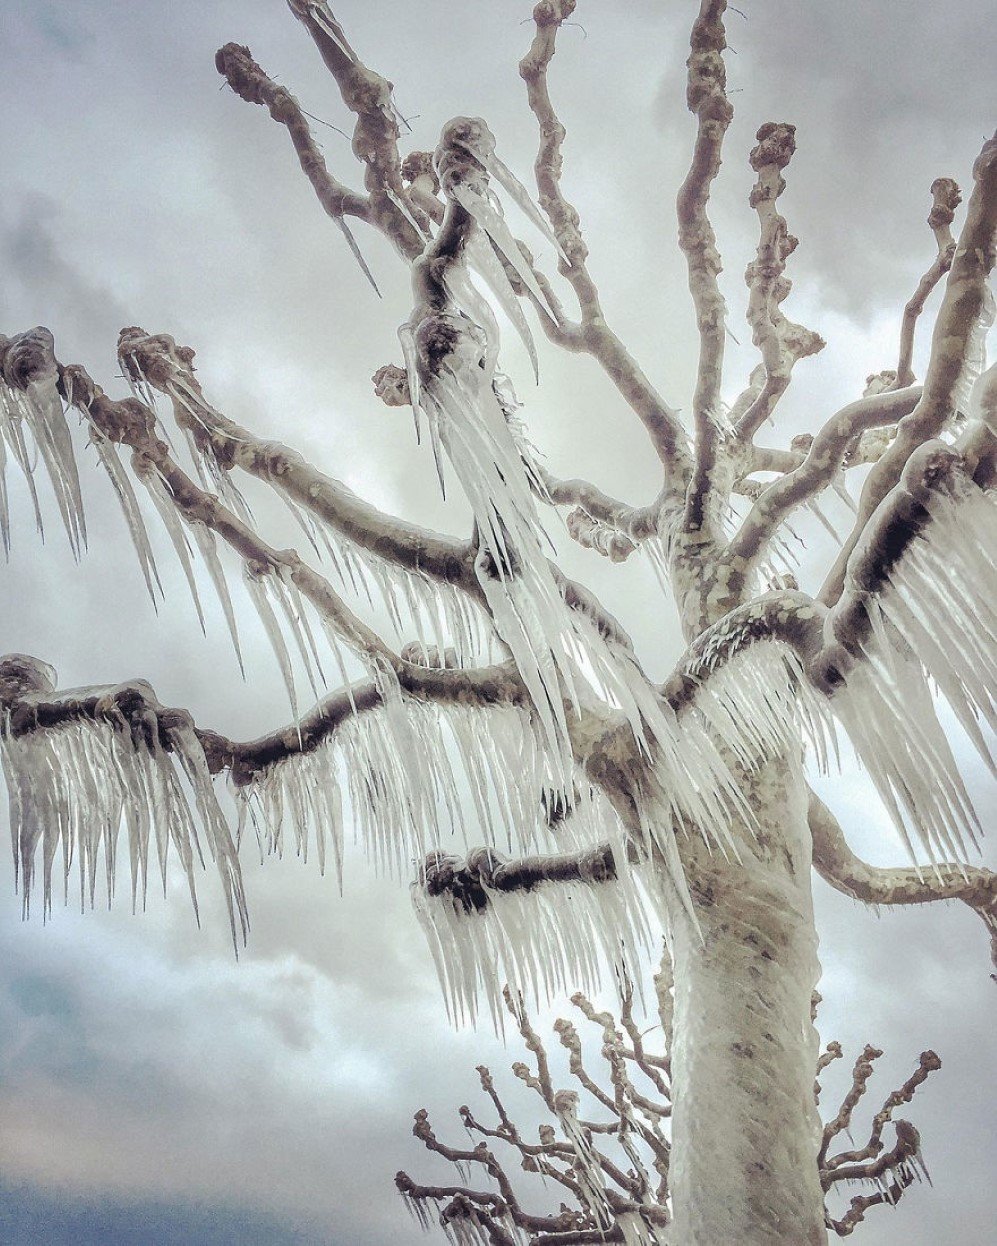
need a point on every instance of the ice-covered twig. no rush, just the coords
(375, 136)
(169, 369)
(706, 96)
(966, 313)
(839, 865)
(782, 343)
(236, 65)
(946, 197)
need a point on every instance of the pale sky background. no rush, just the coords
(152, 1090)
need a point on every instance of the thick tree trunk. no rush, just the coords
(745, 1124)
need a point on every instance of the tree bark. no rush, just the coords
(745, 1124)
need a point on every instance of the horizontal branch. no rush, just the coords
(28, 694)
(839, 866)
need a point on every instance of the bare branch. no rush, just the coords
(781, 342)
(838, 865)
(706, 97)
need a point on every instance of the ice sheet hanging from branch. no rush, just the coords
(919, 606)
(543, 941)
(30, 402)
(75, 786)
(416, 775)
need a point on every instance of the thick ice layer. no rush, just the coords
(935, 620)
(73, 788)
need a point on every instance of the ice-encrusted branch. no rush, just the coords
(839, 865)
(157, 360)
(822, 465)
(375, 136)
(957, 347)
(706, 96)
(946, 197)
(782, 343)
(130, 422)
(593, 335)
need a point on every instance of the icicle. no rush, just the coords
(588, 1171)
(357, 254)
(122, 485)
(163, 501)
(934, 618)
(77, 784)
(257, 584)
(205, 540)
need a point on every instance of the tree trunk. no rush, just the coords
(745, 1123)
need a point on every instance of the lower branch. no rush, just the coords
(838, 865)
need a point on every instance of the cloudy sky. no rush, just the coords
(151, 1089)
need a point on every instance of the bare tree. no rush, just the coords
(519, 696)
(611, 1173)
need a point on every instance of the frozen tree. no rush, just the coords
(611, 1173)
(611, 808)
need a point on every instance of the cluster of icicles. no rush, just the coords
(72, 788)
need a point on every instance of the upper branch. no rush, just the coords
(964, 316)
(593, 335)
(706, 96)
(375, 137)
(169, 369)
(781, 342)
(945, 199)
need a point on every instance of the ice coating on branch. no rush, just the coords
(553, 939)
(416, 776)
(933, 618)
(30, 402)
(588, 1171)
(72, 788)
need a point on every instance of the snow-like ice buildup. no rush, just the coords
(74, 786)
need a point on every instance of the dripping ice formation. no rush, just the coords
(73, 787)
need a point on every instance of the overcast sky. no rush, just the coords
(152, 1090)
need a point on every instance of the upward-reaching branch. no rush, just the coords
(706, 96)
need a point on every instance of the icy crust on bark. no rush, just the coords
(33, 426)
(934, 621)
(74, 787)
(744, 1046)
